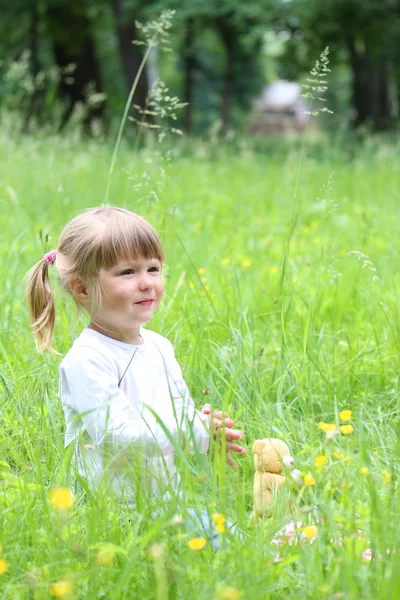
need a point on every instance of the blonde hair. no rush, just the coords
(98, 238)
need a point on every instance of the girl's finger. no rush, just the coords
(220, 414)
(231, 462)
(231, 447)
(234, 434)
(206, 409)
(224, 423)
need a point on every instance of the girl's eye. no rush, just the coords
(128, 272)
(154, 269)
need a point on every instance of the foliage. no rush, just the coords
(280, 351)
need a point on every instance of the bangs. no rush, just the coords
(127, 237)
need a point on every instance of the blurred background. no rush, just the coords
(238, 66)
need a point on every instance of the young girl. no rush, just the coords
(124, 398)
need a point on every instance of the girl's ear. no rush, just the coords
(79, 290)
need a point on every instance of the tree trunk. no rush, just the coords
(383, 110)
(228, 37)
(189, 62)
(73, 43)
(131, 54)
(371, 85)
(37, 95)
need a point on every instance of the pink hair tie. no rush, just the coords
(50, 257)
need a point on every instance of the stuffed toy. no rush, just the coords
(271, 458)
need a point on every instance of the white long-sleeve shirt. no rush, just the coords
(128, 404)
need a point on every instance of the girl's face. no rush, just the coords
(130, 293)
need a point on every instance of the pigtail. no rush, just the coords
(41, 305)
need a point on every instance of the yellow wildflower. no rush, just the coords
(310, 531)
(3, 566)
(225, 261)
(246, 263)
(191, 285)
(61, 498)
(386, 476)
(345, 415)
(228, 593)
(206, 287)
(274, 270)
(327, 426)
(364, 471)
(346, 429)
(320, 461)
(105, 557)
(61, 589)
(203, 279)
(197, 543)
(218, 518)
(220, 527)
(316, 240)
(308, 479)
(201, 271)
(197, 225)
(340, 456)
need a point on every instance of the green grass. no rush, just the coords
(287, 333)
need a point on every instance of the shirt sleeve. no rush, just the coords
(106, 413)
(194, 423)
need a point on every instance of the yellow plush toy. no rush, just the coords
(271, 456)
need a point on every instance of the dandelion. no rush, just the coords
(228, 593)
(320, 461)
(61, 589)
(386, 476)
(197, 543)
(3, 566)
(327, 426)
(201, 271)
(310, 532)
(191, 285)
(345, 415)
(274, 270)
(308, 480)
(105, 557)
(246, 263)
(219, 521)
(346, 429)
(340, 456)
(225, 261)
(364, 471)
(61, 498)
(218, 518)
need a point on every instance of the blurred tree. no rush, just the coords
(240, 28)
(70, 31)
(366, 36)
(131, 54)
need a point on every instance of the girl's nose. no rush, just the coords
(145, 282)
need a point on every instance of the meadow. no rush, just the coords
(281, 300)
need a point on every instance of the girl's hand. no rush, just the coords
(222, 424)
